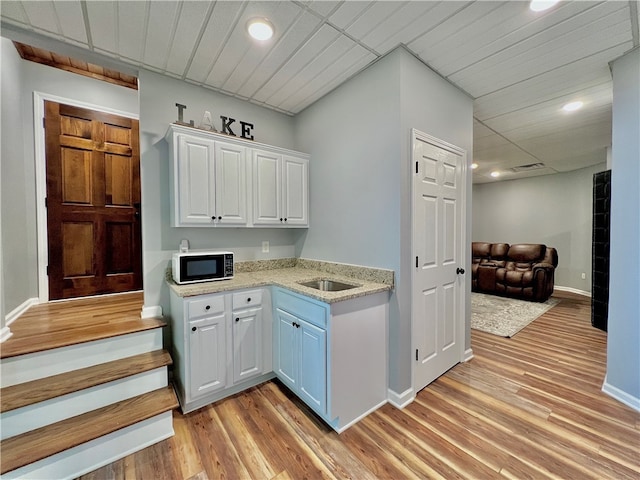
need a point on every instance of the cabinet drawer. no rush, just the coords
(247, 299)
(206, 306)
(302, 308)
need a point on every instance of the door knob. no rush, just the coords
(460, 271)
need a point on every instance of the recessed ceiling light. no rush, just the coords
(572, 106)
(495, 174)
(474, 166)
(541, 5)
(260, 28)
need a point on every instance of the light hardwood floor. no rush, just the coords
(525, 407)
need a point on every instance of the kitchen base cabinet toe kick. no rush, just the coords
(332, 356)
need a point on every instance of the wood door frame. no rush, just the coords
(464, 253)
(41, 176)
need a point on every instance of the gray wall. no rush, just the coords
(359, 137)
(552, 209)
(623, 342)
(158, 96)
(18, 188)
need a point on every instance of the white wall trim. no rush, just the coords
(20, 309)
(41, 175)
(572, 290)
(468, 355)
(621, 395)
(154, 311)
(401, 400)
(5, 334)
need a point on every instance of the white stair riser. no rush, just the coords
(89, 456)
(38, 415)
(33, 366)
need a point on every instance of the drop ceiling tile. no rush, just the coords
(439, 39)
(43, 14)
(293, 39)
(71, 20)
(132, 20)
(14, 13)
(333, 50)
(348, 12)
(323, 7)
(373, 19)
(580, 37)
(239, 44)
(510, 25)
(566, 80)
(320, 41)
(338, 72)
(103, 19)
(223, 20)
(550, 115)
(596, 156)
(570, 142)
(161, 30)
(191, 23)
(284, 16)
(404, 24)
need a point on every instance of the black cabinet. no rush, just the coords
(600, 249)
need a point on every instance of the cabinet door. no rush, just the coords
(207, 355)
(196, 178)
(247, 344)
(295, 194)
(286, 348)
(230, 184)
(267, 188)
(312, 377)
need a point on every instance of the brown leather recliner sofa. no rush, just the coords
(524, 270)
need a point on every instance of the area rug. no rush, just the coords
(505, 316)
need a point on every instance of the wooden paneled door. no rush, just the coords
(93, 202)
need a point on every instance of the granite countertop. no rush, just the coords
(288, 273)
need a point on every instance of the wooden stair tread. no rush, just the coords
(28, 393)
(17, 345)
(35, 445)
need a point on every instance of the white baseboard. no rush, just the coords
(360, 417)
(5, 333)
(468, 355)
(572, 290)
(154, 311)
(20, 309)
(401, 400)
(621, 395)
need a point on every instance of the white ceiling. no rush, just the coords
(519, 66)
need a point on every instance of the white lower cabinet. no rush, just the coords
(207, 346)
(221, 344)
(302, 358)
(332, 356)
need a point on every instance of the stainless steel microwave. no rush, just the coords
(202, 266)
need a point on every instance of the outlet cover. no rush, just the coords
(265, 246)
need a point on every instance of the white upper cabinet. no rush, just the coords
(280, 190)
(231, 184)
(218, 181)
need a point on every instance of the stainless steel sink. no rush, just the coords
(328, 285)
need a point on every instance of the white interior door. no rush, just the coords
(438, 248)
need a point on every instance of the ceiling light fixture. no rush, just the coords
(572, 106)
(541, 5)
(474, 166)
(260, 29)
(495, 174)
